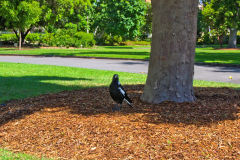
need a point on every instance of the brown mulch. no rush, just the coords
(81, 125)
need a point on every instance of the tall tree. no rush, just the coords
(224, 15)
(57, 13)
(20, 16)
(216, 21)
(171, 66)
(120, 17)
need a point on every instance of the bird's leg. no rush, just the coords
(116, 108)
(120, 106)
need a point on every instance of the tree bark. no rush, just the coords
(24, 35)
(171, 66)
(20, 41)
(16, 33)
(232, 42)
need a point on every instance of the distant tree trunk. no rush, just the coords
(232, 42)
(220, 40)
(171, 66)
(20, 41)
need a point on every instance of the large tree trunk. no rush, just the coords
(171, 66)
(232, 42)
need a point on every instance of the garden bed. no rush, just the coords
(80, 125)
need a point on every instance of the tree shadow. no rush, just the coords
(229, 57)
(14, 90)
(212, 106)
(29, 86)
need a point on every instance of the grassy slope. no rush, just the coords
(206, 55)
(26, 80)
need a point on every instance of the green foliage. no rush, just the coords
(84, 39)
(222, 15)
(33, 38)
(57, 13)
(8, 38)
(68, 38)
(124, 18)
(147, 27)
(20, 14)
(107, 39)
(62, 38)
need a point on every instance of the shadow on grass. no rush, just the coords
(18, 88)
(225, 58)
(212, 106)
(28, 86)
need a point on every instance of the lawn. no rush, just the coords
(205, 55)
(73, 119)
(27, 80)
(7, 155)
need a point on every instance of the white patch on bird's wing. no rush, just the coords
(121, 90)
(119, 83)
(127, 101)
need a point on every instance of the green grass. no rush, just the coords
(18, 81)
(211, 55)
(205, 55)
(131, 52)
(7, 155)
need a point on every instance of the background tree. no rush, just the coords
(20, 16)
(216, 21)
(147, 27)
(222, 16)
(120, 17)
(58, 13)
(171, 66)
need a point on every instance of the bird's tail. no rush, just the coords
(129, 102)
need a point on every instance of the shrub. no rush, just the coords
(84, 39)
(133, 43)
(33, 38)
(107, 39)
(8, 38)
(47, 39)
(68, 38)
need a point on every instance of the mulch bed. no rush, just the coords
(80, 125)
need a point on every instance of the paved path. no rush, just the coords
(202, 72)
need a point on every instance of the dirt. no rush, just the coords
(81, 125)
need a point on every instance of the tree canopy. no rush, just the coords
(120, 17)
(222, 16)
(20, 16)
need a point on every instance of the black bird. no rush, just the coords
(118, 93)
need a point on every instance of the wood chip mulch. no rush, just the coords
(80, 125)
